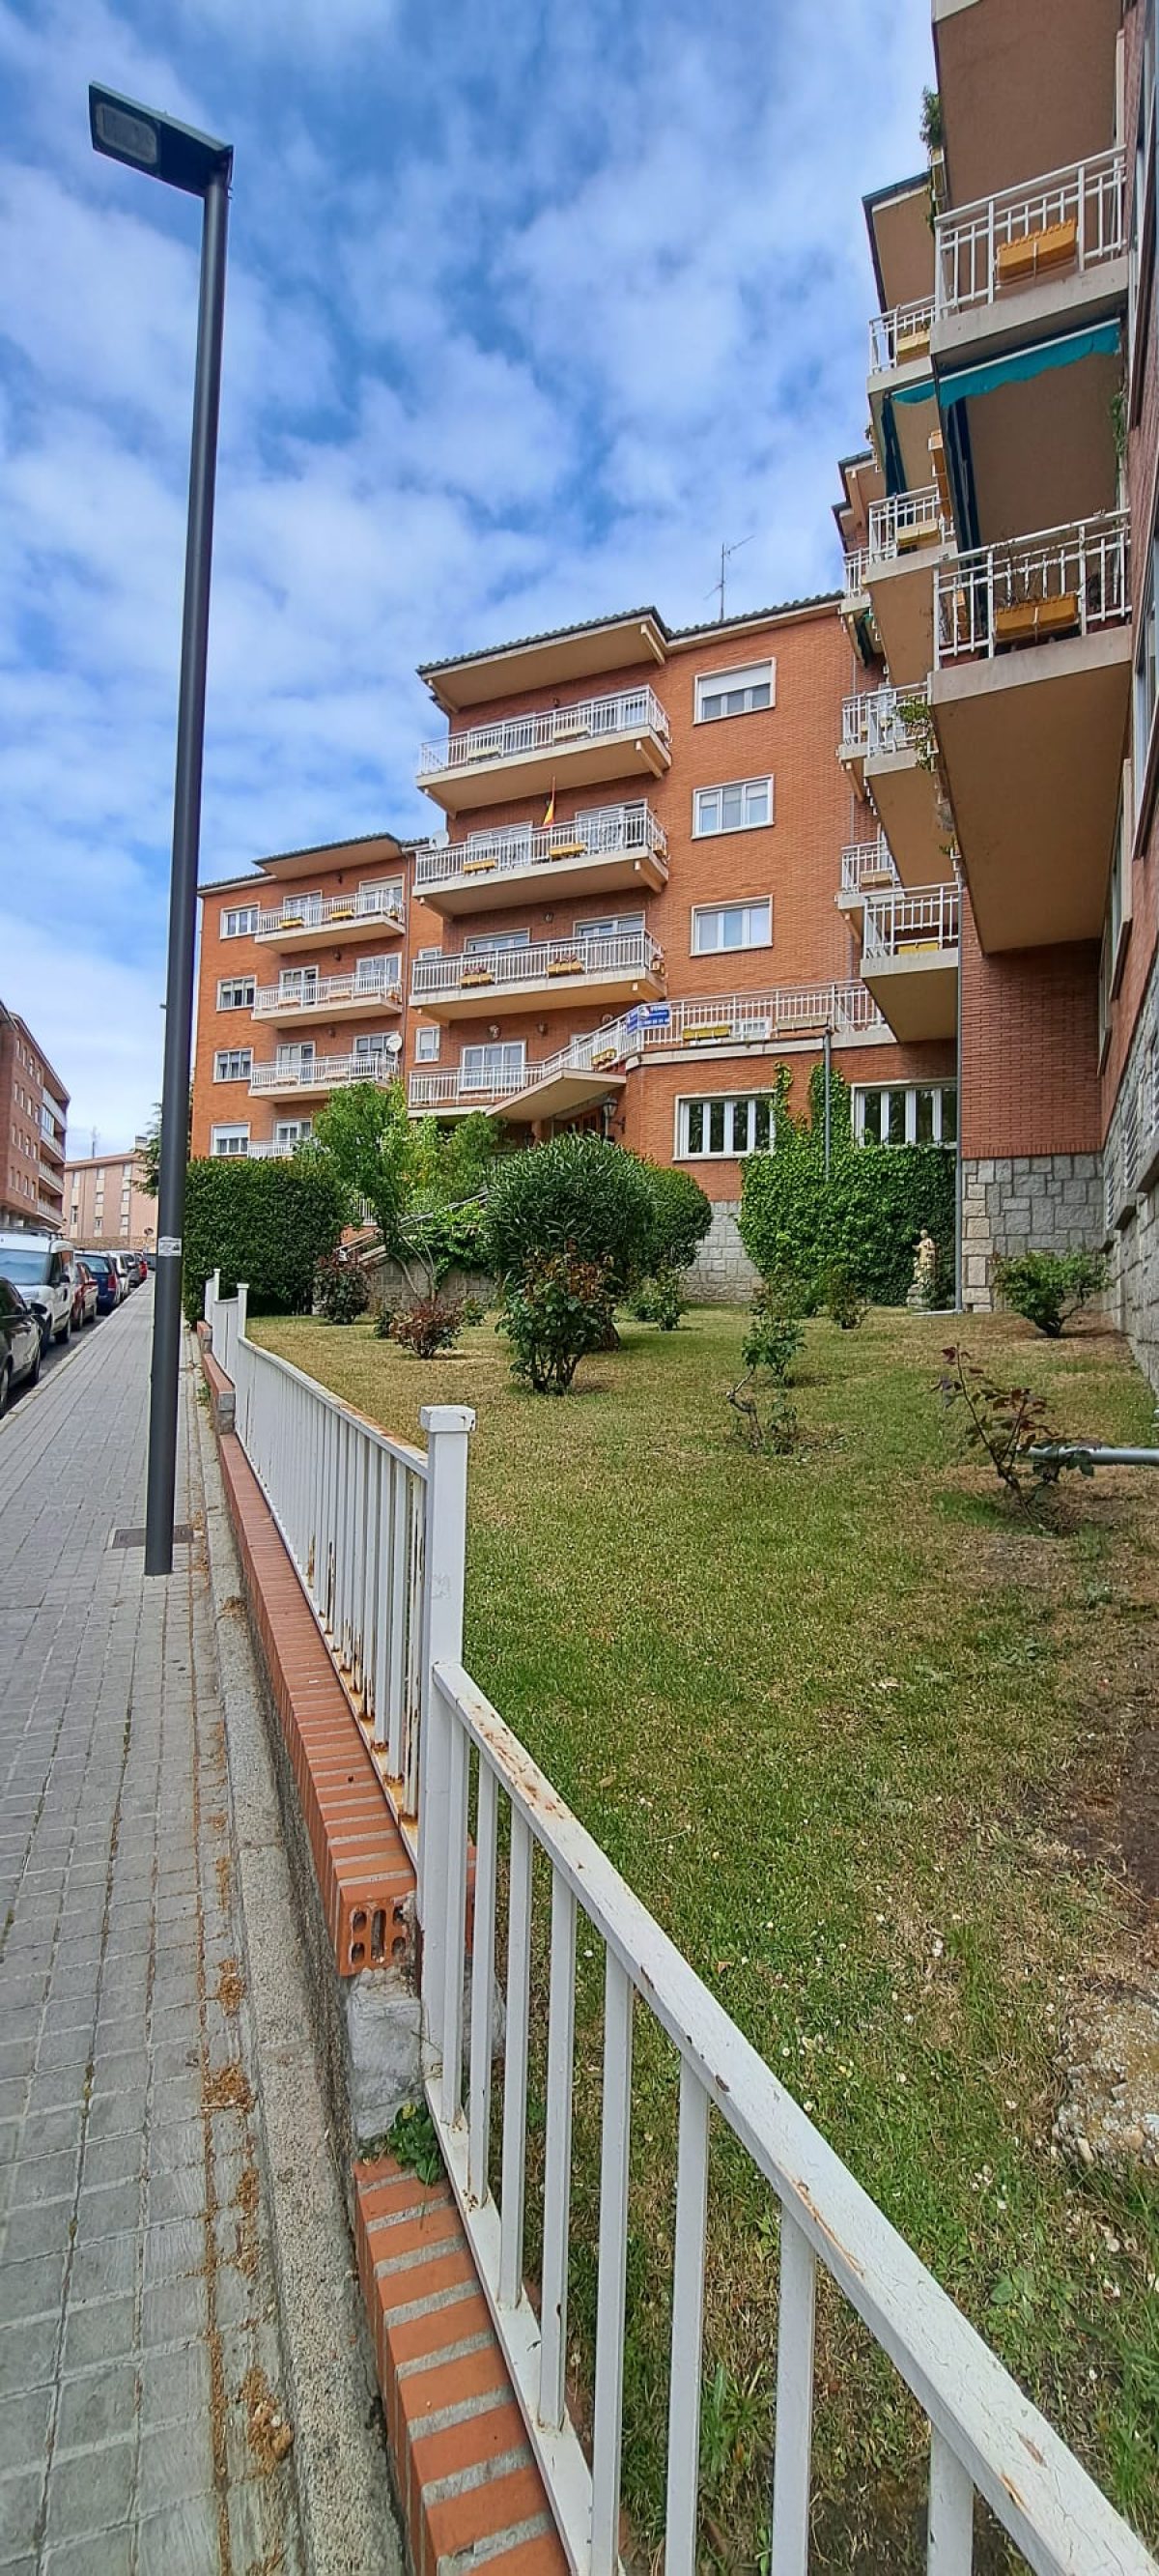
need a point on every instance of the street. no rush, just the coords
(58, 1354)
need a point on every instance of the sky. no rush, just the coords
(532, 305)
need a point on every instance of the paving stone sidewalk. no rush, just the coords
(140, 2364)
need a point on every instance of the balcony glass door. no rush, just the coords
(298, 984)
(296, 1059)
(492, 1068)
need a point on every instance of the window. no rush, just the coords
(371, 1042)
(230, 1141)
(298, 984)
(233, 1064)
(236, 993)
(427, 1046)
(490, 1068)
(293, 1131)
(742, 807)
(239, 921)
(717, 926)
(1145, 673)
(484, 943)
(623, 925)
(734, 693)
(906, 1114)
(712, 1130)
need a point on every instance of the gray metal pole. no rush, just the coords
(183, 891)
(828, 1097)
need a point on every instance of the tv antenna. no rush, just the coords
(718, 586)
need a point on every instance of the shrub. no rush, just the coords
(577, 1196)
(868, 1215)
(427, 1327)
(1006, 1422)
(474, 1310)
(267, 1222)
(772, 1432)
(660, 1300)
(844, 1303)
(556, 1311)
(1049, 1287)
(681, 1217)
(341, 1293)
(774, 1336)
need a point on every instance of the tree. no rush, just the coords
(576, 1195)
(421, 1184)
(148, 1172)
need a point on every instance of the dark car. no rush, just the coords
(21, 1348)
(84, 1304)
(107, 1279)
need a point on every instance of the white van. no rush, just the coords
(44, 1270)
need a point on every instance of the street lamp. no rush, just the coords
(174, 153)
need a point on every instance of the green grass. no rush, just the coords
(834, 1717)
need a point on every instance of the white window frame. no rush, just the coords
(625, 925)
(744, 677)
(239, 920)
(236, 992)
(427, 1044)
(702, 831)
(300, 1127)
(702, 912)
(940, 1088)
(229, 1144)
(730, 1103)
(491, 943)
(294, 982)
(233, 1064)
(500, 1049)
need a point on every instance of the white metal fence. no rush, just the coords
(513, 848)
(284, 1001)
(538, 961)
(323, 1072)
(1063, 581)
(371, 904)
(927, 917)
(907, 520)
(880, 721)
(628, 711)
(1073, 219)
(378, 1535)
(899, 336)
(867, 863)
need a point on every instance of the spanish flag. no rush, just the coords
(549, 809)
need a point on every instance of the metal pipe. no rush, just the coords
(1068, 1453)
(828, 1060)
(174, 1158)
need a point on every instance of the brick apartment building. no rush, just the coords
(33, 1118)
(635, 913)
(105, 1204)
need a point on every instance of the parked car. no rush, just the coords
(108, 1283)
(84, 1304)
(141, 1266)
(21, 1348)
(122, 1269)
(42, 1268)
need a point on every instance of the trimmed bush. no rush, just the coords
(660, 1300)
(867, 1216)
(681, 1217)
(556, 1311)
(1049, 1287)
(341, 1293)
(578, 1196)
(268, 1222)
(426, 1328)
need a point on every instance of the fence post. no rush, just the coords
(448, 1428)
(243, 1295)
(212, 1292)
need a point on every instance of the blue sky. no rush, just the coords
(531, 304)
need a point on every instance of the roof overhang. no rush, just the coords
(901, 240)
(539, 661)
(559, 1096)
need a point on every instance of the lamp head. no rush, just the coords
(124, 131)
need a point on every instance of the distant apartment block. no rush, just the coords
(33, 1118)
(105, 1204)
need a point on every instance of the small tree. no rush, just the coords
(1049, 1287)
(410, 1174)
(148, 1171)
(681, 1217)
(341, 1290)
(558, 1308)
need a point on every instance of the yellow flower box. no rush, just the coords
(477, 975)
(566, 966)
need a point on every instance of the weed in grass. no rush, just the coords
(413, 2142)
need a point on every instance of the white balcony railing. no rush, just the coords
(867, 863)
(629, 711)
(897, 925)
(280, 1002)
(324, 1072)
(881, 721)
(274, 1149)
(1072, 220)
(907, 521)
(574, 961)
(449, 1087)
(519, 846)
(1066, 581)
(900, 335)
(377, 906)
(856, 566)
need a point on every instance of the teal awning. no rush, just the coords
(1017, 367)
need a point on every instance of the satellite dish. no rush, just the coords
(393, 1044)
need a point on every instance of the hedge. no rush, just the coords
(867, 1216)
(577, 1194)
(267, 1222)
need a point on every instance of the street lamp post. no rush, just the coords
(193, 162)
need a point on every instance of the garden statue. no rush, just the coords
(921, 1287)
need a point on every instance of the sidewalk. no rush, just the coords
(141, 2372)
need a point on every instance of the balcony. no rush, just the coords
(334, 917)
(329, 997)
(909, 960)
(866, 868)
(889, 751)
(1026, 280)
(908, 535)
(622, 736)
(53, 1146)
(719, 1025)
(899, 359)
(313, 1076)
(599, 852)
(593, 970)
(856, 610)
(1029, 697)
(448, 1094)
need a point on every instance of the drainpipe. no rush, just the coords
(828, 1095)
(959, 1265)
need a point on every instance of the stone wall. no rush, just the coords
(1132, 1188)
(722, 1274)
(1022, 1203)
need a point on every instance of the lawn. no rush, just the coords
(855, 1730)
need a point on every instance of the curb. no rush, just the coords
(347, 2511)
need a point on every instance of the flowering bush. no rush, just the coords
(559, 1309)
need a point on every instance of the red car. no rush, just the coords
(84, 1304)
